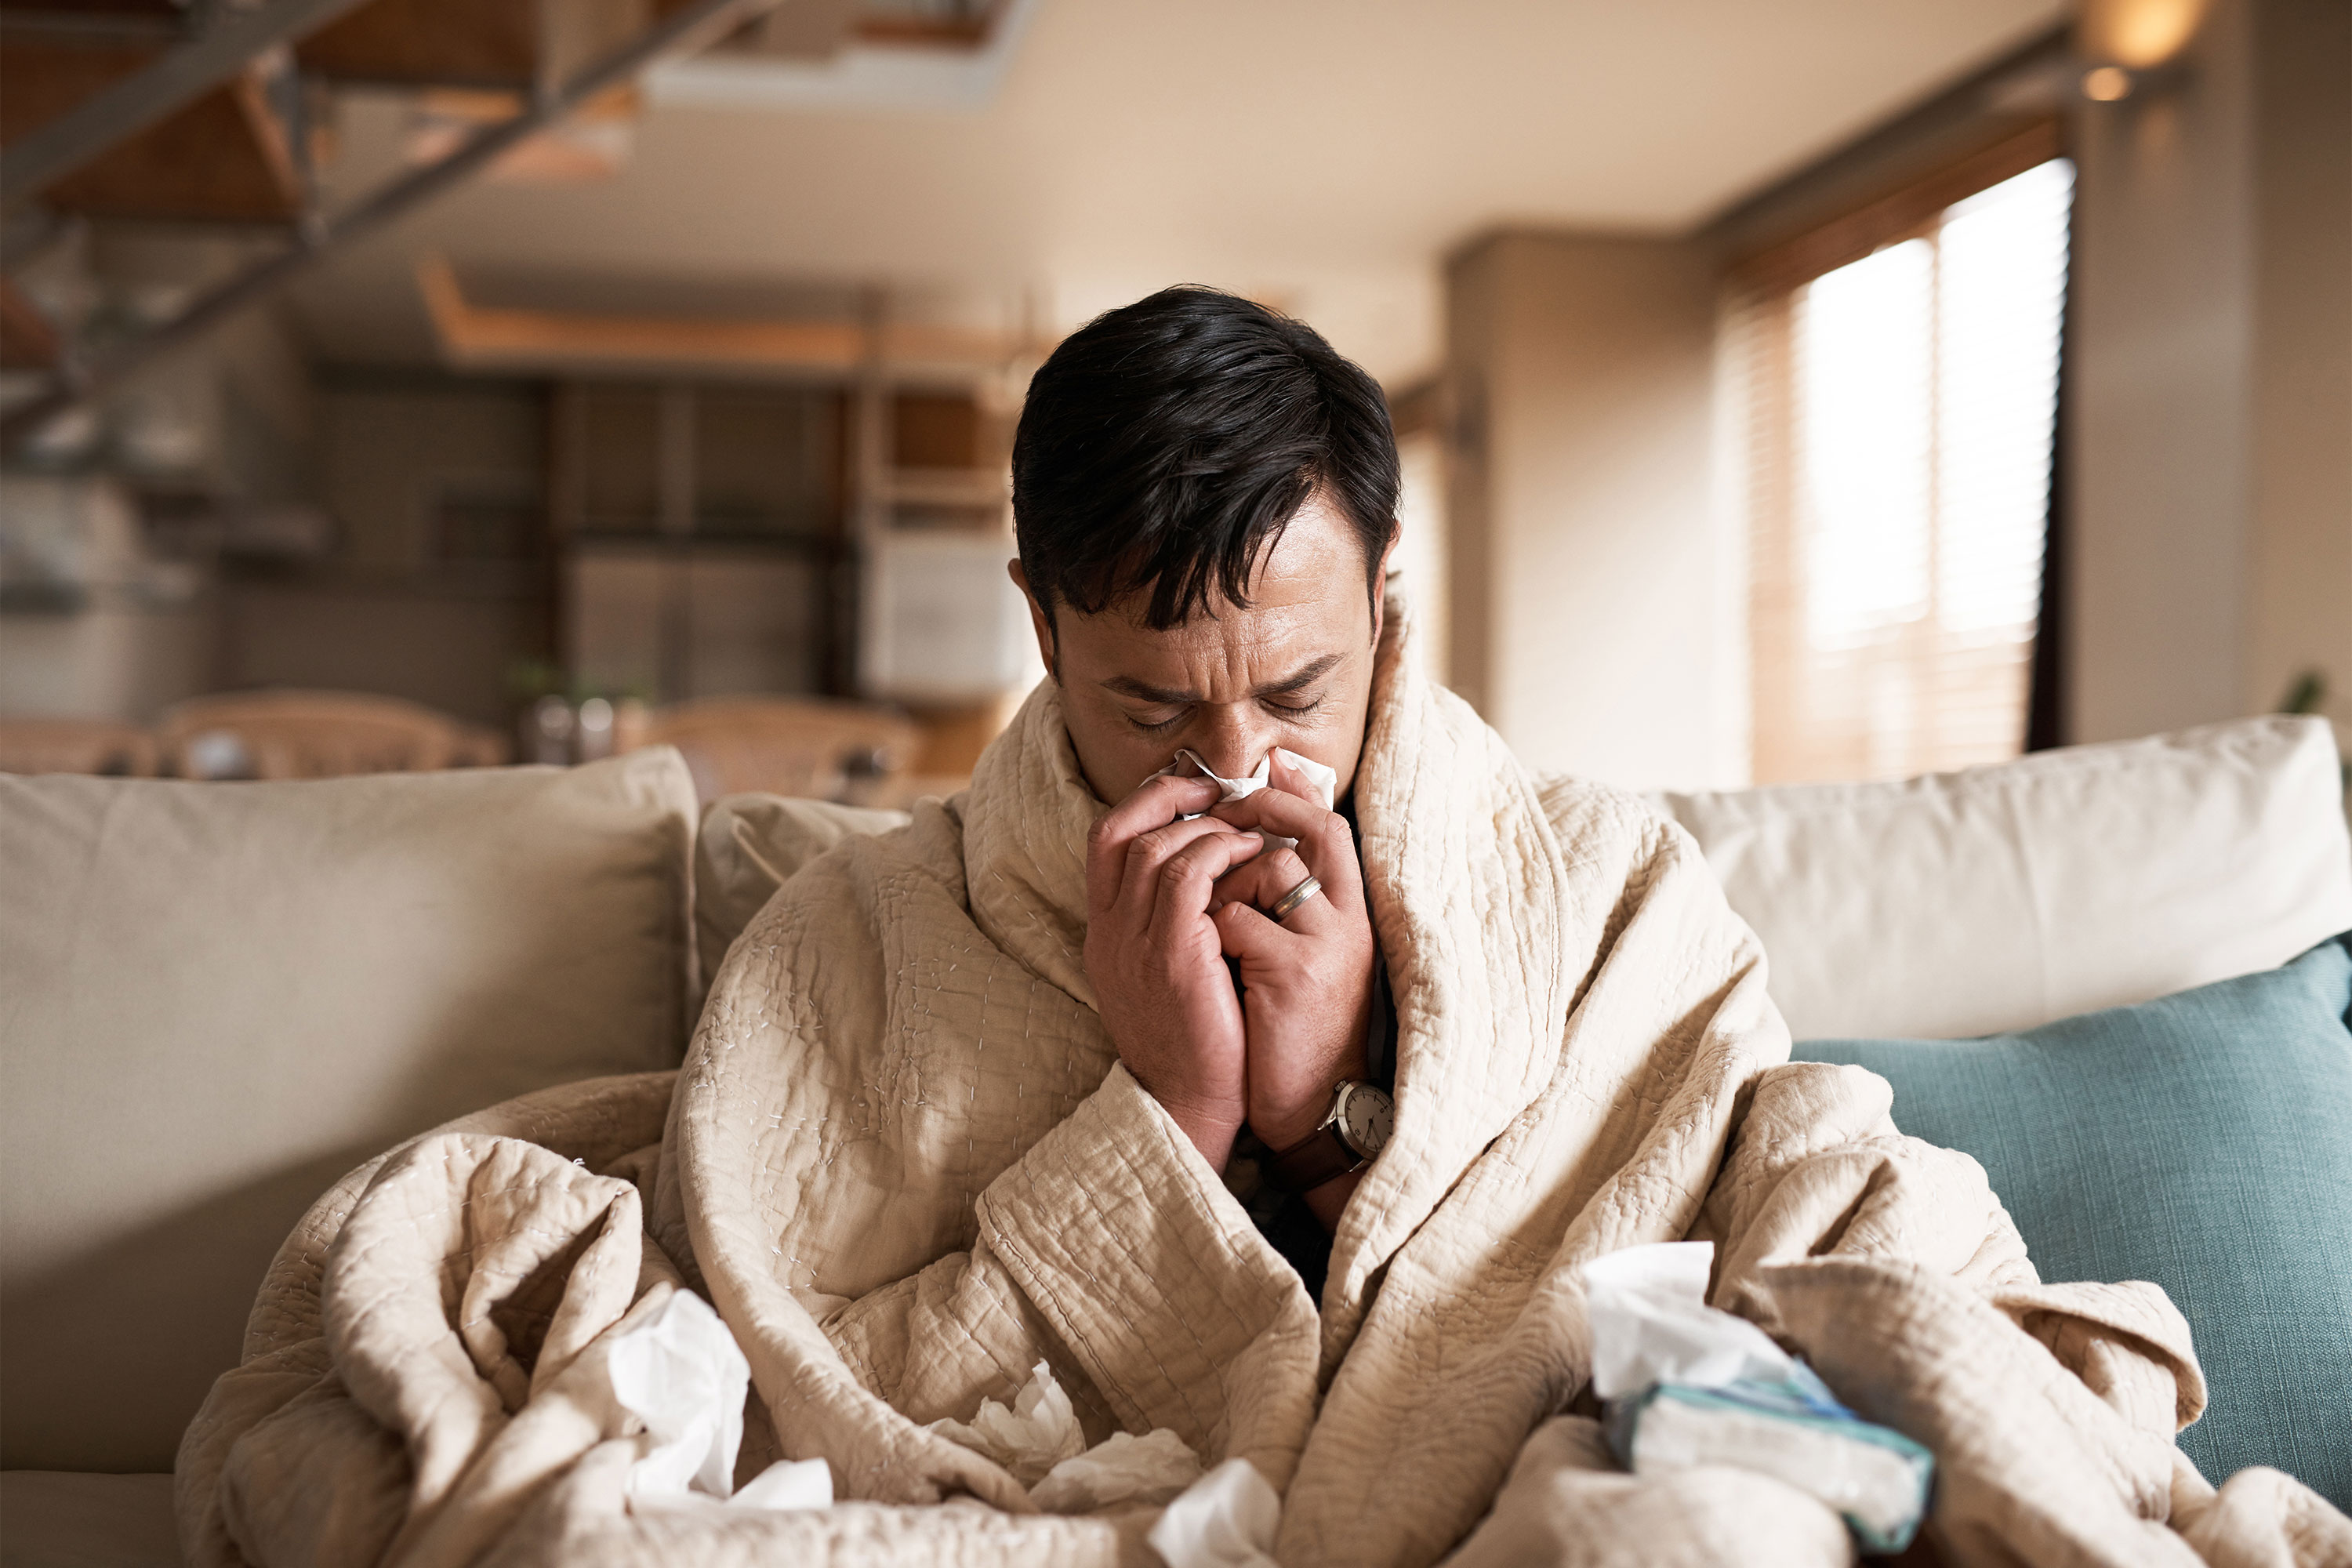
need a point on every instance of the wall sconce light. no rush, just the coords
(2106, 84)
(2130, 48)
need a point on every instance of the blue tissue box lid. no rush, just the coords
(1802, 1401)
(2203, 1141)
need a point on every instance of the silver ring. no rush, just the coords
(1289, 901)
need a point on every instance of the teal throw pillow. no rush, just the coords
(2203, 1141)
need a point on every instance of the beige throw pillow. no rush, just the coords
(749, 845)
(216, 998)
(2004, 897)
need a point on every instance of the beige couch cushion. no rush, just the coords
(216, 998)
(750, 844)
(1956, 904)
(2002, 897)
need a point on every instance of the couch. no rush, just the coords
(215, 999)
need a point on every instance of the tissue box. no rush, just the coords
(1794, 1430)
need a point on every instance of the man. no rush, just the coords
(994, 1111)
(1209, 582)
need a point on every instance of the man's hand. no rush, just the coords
(1307, 983)
(1156, 961)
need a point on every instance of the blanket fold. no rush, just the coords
(903, 1162)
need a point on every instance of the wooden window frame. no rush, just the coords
(1788, 265)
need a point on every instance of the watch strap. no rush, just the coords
(1321, 1156)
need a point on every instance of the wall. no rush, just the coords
(1589, 589)
(391, 611)
(2210, 400)
(115, 661)
(393, 448)
(2300, 556)
(1424, 550)
(449, 650)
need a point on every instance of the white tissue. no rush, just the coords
(1038, 1439)
(788, 1484)
(1651, 1323)
(1225, 1519)
(681, 1373)
(1121, 1469)
(1038, 1433)
(1324, 782)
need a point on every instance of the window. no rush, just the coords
(1900, 415)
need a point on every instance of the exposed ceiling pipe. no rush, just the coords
(691, 27)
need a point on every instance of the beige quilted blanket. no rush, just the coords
(902, 1161)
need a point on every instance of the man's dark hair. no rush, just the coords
(1169, 442)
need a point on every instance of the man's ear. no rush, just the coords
(1041, 621)
(1380, 582)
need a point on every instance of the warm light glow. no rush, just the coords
(2106, 83)
(1899, 617)
(2139, 35)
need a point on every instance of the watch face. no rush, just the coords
(1367, 1117)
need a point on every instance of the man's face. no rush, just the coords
(1295, 669)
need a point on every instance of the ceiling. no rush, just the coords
(1318, 154)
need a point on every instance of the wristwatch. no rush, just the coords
(1351, 1136)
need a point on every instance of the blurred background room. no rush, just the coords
(1787, 390)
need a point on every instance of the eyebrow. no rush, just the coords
(1143, 691)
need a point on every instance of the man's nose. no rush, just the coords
(1233, 738)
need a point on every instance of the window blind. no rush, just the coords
(1900, 414)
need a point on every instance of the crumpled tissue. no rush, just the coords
(787, 1484)
(1687, 1385)
(1038, 1439)
(1225, 1519)
(1121, 1469)
(681, 1372)
(1323, 780)
(1037, 1433)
